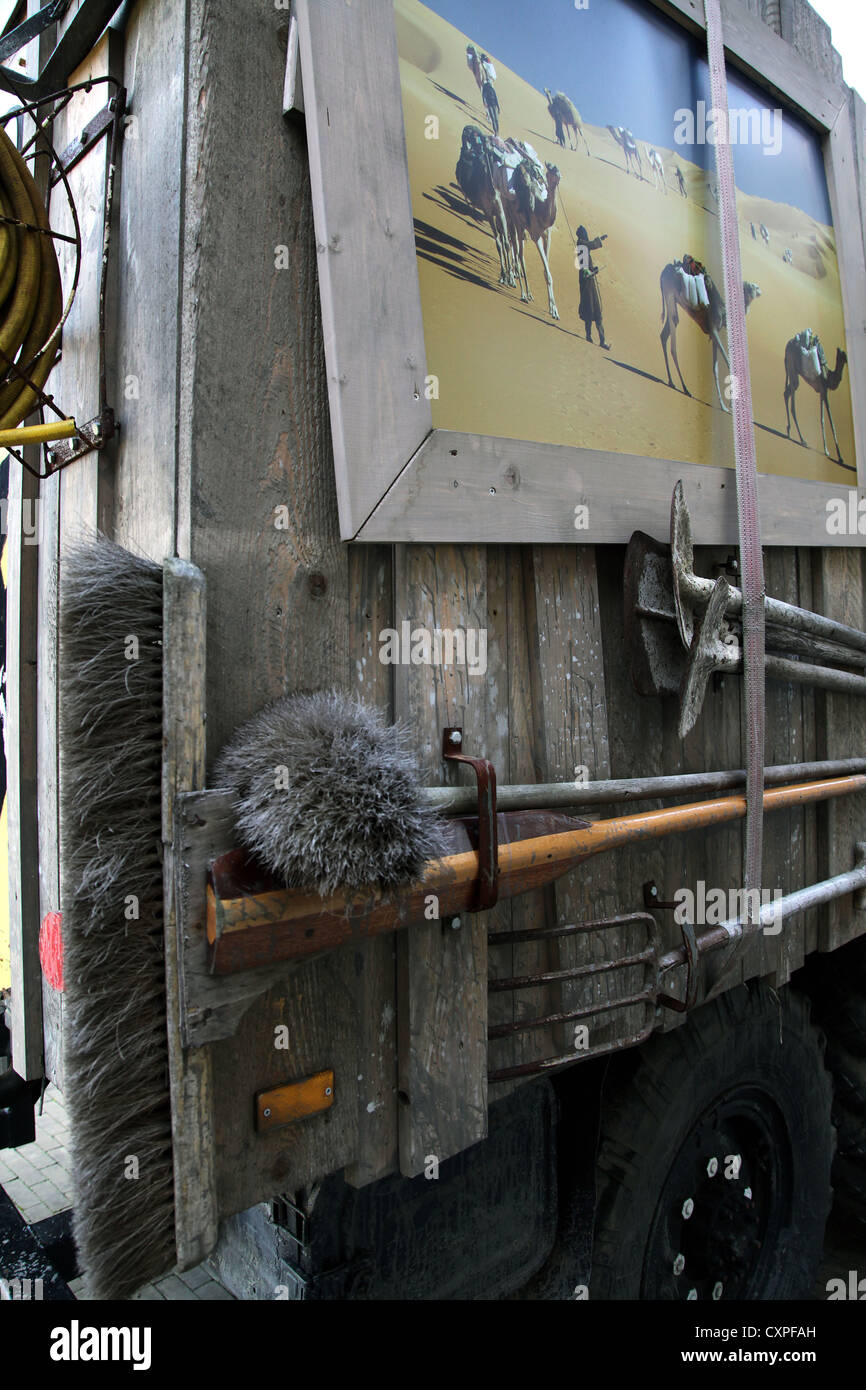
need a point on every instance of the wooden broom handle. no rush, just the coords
(284, 924)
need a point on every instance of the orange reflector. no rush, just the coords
(295, 1101)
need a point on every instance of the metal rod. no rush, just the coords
(771, 913)
(459, 801)
(283, 923)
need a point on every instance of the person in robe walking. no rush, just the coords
(590, 299)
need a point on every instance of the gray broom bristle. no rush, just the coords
(115, 1039)
(326, 794)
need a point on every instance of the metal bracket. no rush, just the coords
(682, 1006)
(488, 833)
(94, 435)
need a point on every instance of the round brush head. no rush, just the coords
(327, 795)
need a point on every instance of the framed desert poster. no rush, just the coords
(518, 224)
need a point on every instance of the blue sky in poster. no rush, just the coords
(623, 63)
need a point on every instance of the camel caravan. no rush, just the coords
(515, 192)
(506, 181)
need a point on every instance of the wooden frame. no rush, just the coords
(398, 478)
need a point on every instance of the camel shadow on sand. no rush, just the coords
(789, 439)
(453, 256)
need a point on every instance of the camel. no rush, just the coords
(625, 139)
(808, 364)
(709, 318)
(529, 215)
(754, 233)
(566, 118)
(765, 235)
(788, 256)
(681, 183)
(479, 176)
(657, 168)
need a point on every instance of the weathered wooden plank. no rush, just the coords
(842, 725)
(374, 337)
(845, 172)
(21, 754)
(441, 972)
(512, 490)
(190, 1071)
(145, 335)
(257, 513)
(375, 962)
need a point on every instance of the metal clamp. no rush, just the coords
(690, 944)
(488, 833)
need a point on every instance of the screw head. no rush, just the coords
(267, 1112)
(748, 1194)
(679, 1264)
(688, 1208)
(718, 1290)
(456, 924)
(455, 736)
(328, 1090)
(51, 457)
(713, 1167)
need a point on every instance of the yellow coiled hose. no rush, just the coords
(31, 295)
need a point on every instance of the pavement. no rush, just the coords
(38, 1180)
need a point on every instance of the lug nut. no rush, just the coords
(688, 1208)
(679, 1264)
(713, 1167)
(717, 1290)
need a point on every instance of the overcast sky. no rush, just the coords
(847, 20)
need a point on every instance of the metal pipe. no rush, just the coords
(800, 901)
(282, 923)
(462, 801)
(691, 589)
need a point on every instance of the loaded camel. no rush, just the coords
(478, 175)
(808, 364)
(788, 256)
(533, 216)
(566, 118)
(765, 235)
(657, 168)
(709, 317)
(681, 183)
(626, 140)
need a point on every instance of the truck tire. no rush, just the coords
(838, 987)
(714, 1160)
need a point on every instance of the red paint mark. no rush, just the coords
(51, 949)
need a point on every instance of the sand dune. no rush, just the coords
(507, 368)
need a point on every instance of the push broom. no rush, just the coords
(339, 841)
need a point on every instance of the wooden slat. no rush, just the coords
(442, 1051)
(21, 651)
(841, 726)
(512, 490)
(190, 1071)
(368, 277)
(846, 170)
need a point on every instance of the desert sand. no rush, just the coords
(507, 368)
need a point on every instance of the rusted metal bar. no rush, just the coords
(691, 591)
(771, 913)
(280, 924)
(460, 801)
(485, 809)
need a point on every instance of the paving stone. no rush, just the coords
(194, 1278)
